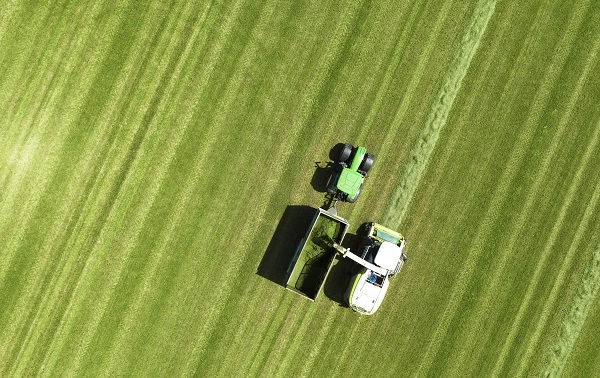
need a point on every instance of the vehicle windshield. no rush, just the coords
(387, 237)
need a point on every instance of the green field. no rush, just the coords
(158, 167)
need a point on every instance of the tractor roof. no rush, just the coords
(349, 182)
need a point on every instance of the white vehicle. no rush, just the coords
(380, 256)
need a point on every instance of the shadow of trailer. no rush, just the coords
(315, 254)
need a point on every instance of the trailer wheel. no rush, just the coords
(346, 152)
(367, 163)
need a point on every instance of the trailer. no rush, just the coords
(315, 254)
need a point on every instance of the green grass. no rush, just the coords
(151, 154)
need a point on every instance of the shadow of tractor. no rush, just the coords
(323, 170)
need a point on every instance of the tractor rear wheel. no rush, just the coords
(346, 152)
(367, 163)
(332, 185)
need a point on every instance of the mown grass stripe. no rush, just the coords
(166, 237)
(422, 151)
(33, 287)
(575, 318)
(9, 13)
(167, 58)
(63, 278)
(470, 112)
(292, 324)
(34, 149)
(570, 329)
(274, 331)
(484, 303)
(159, 172)
(68, 275)
(555, 66)
(501, 193)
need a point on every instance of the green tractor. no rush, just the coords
(349, 173)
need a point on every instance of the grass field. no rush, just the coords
(158, 165)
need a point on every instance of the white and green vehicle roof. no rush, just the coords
(368, 287)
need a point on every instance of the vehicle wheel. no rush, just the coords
(367, 163)
(332, 185)
(346, 152)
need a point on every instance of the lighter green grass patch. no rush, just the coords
(426, 142)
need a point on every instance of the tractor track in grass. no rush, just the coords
(497, 199)
(7, 13)
(20, 85)
(468, 350)
(587, 292)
